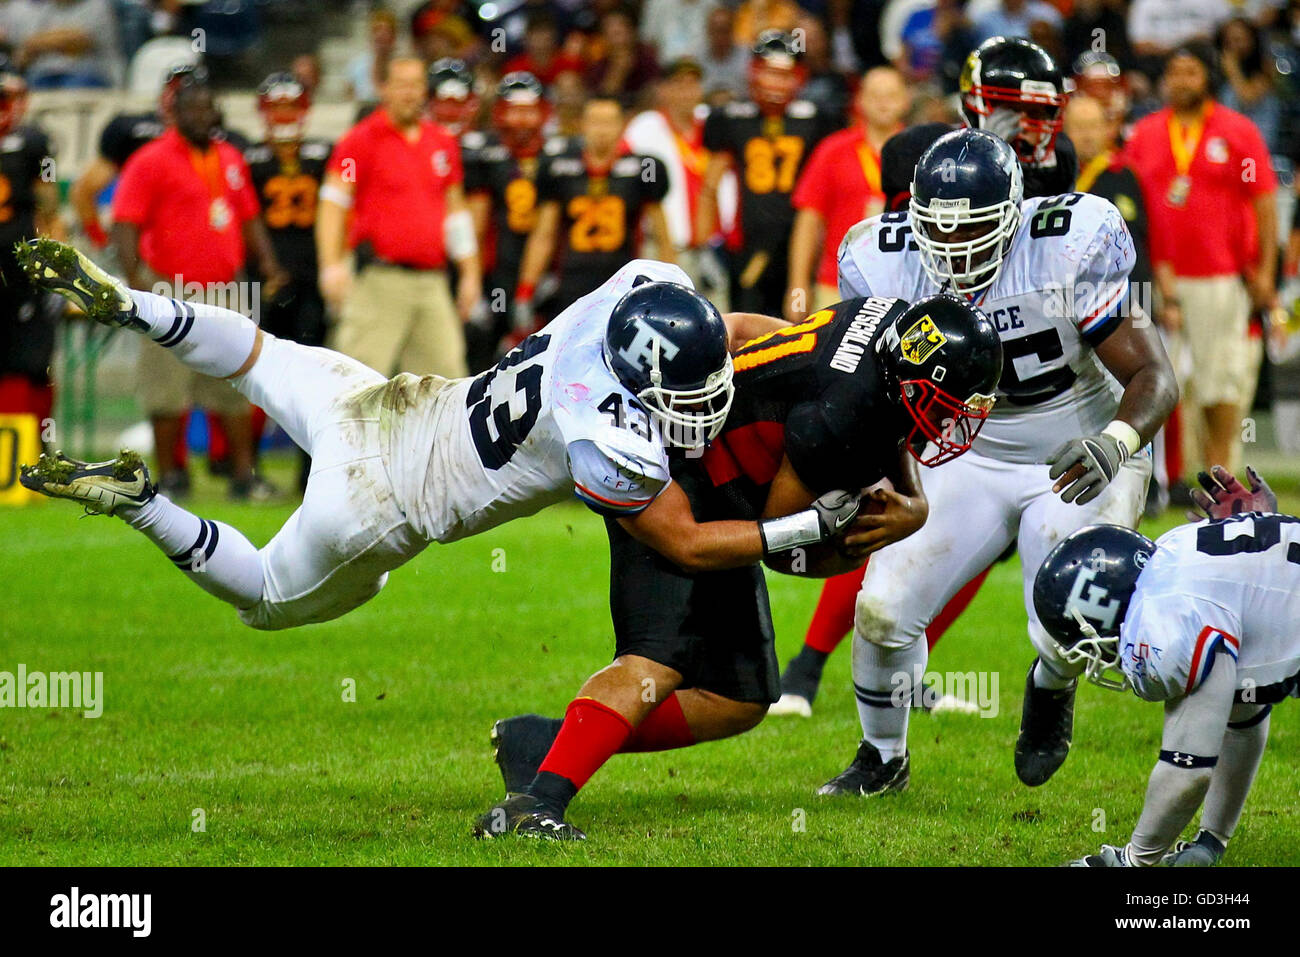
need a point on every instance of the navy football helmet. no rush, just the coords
(1014, 87)
(667, 344)
(1082, 592)
(965, 208)
(944, 359)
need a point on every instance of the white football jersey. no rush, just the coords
(550, 420)
(1063, 287)
(1227, 587)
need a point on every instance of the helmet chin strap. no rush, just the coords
(1095, 669)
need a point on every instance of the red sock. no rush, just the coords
(833, 618)
(591, 733)
(663, 729)
(956, 605)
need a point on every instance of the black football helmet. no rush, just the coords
(965, 208)
(283, 102)
(944, 359)
(452, 100)
(667, 344)
(776, 71)
(519, 113)
(1014, 88)
(1082, 592)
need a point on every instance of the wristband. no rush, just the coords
(790, 531)
(94, 232)
(524, 291)
(1125, 435)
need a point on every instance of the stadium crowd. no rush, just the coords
(508, 158)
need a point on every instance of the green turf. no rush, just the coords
(251, 727)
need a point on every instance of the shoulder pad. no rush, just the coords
(801, 109)
(316, 149)
(627, 166)
(257, 154)
(613, 482)
(741, 110)
(566, 166)
(555, 145)
(473, 140)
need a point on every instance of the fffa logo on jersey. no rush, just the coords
(922, 341)
(647, 347)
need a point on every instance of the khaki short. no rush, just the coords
(165, 386)
(823, 296)
(1224, 359)
(402, 320)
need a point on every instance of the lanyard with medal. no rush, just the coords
(207, 163)
(871, 173)
(1088, 177)
(1183, 142)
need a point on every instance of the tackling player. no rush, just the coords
(399, 463)
(1053, 275)
(767, 139)
(589, 207)
(840, 401)
(1204, 620)
(287, 170)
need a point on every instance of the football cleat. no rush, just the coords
(58, 267)
(1204, 851)
(868, 776)
(791, 704)
(102, 487)
(519, 745)
(1046, 728)
(526, 816)
(1108, 856)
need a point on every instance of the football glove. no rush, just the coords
(1204, 851)
(1108, 856)
(1225, 496)
(1100, 455)
(826, 518)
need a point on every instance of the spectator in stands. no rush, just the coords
(1209, 191)
(933, 43)
(725, 62)
(624, 66)
(676, 28)
(840, 186)
(306, 69)
(542, 56)
(1157, 27)
(185, 219)
(366, 70)
(438, 31)
(1016, 18)
(1097, 26)
(826, 86)
(64, 44)
(394, 195)
(1248, 76)
(755, 16)
(569, 97)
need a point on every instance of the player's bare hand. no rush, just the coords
(887, 517)
(1225, 496)
(469, 293)
(274, 284)
(335, 283)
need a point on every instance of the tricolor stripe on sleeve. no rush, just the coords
(608, 505)
(1093, 324)
(1208, 643)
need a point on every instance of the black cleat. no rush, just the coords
(526, 816)
(868, 776)
(1046, 728)
(519, 745)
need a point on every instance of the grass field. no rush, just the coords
(251, 727)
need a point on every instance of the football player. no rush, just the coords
(590, 204)
(1204, 620)
(453, 103)
(1012, 88)
(399, 463)
(766, 139)
(287, 170)
(29, 206)
(501, 187)
(858, 392)
(1053, 275)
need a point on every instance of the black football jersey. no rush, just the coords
(287, 191)
(599, 214)
(1056, 179)
(813, 392)
(126, 133)
(768, 153)
(24, 159)
(511, 184)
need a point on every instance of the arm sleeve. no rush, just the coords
(715, 132)
(1189, 749)
(656, 187)
(1101, 285)
(457, 173)
(344, 155)
(612, 483)
(851, 281)
(547, 187)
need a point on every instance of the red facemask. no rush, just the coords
(941, 419)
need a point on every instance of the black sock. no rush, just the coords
(810, 661)
(553, 790)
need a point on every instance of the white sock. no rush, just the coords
(883, 682)
(213, 555)
(208, 339)
(1047, 677)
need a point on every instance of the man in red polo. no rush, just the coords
(185, 216)
(1209, 192)
(840, 186)
(400, 176)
